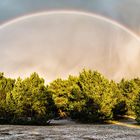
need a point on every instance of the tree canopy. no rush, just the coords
(89, 97)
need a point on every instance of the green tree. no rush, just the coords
(137, 107)
(120, 107)
(67, 96)
(137, 101)
(99, 98)
(6, 85)
(30, 98)
(129, 90)
(60, 96)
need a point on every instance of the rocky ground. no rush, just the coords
(67, 130)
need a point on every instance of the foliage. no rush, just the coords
(30, 99)
(6, 85)
(137, 101)
(88, 97)
(129, 90)
(98, 97)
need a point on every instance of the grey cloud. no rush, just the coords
(64, 44)
(124, 11)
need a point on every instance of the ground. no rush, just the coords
(67, 130)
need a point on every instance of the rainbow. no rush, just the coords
(49, 13)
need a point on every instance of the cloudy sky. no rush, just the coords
(124, 11)
(108, 42)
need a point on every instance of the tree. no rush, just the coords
(60, 96)
(120, 107)
(99, 96)
(129, 90)
(137, 100)
(67, 96)
(30, 98)
(6, 85)
(89, 97)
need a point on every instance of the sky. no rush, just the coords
(107, 41)
(125, 12)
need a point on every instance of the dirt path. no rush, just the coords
(127, 122)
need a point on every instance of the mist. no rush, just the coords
(61, 44)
